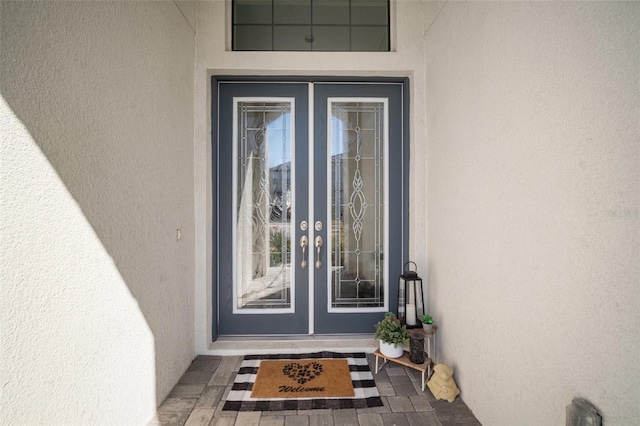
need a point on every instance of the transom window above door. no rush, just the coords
(311, 25)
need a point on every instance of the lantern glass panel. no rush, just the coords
(410, 301)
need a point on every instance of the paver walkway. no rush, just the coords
(198, 398)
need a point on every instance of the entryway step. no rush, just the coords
(239, 346)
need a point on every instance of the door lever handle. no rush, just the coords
(304, 242)
(318, 245)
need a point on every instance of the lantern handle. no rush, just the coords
(414, 264)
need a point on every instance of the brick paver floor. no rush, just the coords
(198, 398)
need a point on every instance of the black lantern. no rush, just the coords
(410, 297)
(416, 347)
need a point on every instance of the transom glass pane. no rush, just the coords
(357, 204)
(303, 25)
(291, 37)
(331, 12)
(252, 12)
(263, 226)
(253, 37)
(369, 12)
(369, 39)
(292, 12)
(331, 38)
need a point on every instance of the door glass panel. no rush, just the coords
(357, 204)
(263, 137)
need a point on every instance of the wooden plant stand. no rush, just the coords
(425, 367)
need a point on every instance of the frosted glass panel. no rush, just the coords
(264, 205)
(357, 204)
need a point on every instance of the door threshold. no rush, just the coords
(253, 345)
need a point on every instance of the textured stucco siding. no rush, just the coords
(97, 303)
(525, 220)
(533, 244)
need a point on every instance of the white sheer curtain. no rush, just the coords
(252, 231)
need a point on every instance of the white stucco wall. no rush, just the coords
(533, 137)
(97, 299)
(214, 57)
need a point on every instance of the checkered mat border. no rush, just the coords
(366, 393)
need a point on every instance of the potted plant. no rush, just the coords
(392, 335)
(427, 323)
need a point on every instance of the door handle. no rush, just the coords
(304, 242)
(318, 245)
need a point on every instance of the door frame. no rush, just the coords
(215, 250)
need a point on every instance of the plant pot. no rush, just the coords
(391, 350)
(427, 328)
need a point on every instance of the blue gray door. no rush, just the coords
(310, 205)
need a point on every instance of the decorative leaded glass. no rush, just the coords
(357, 204)
(264, 205)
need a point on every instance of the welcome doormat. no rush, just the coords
(303, 378)
(303, 382)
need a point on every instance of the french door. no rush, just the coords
(310, 188)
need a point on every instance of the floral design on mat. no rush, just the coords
(302, 373)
